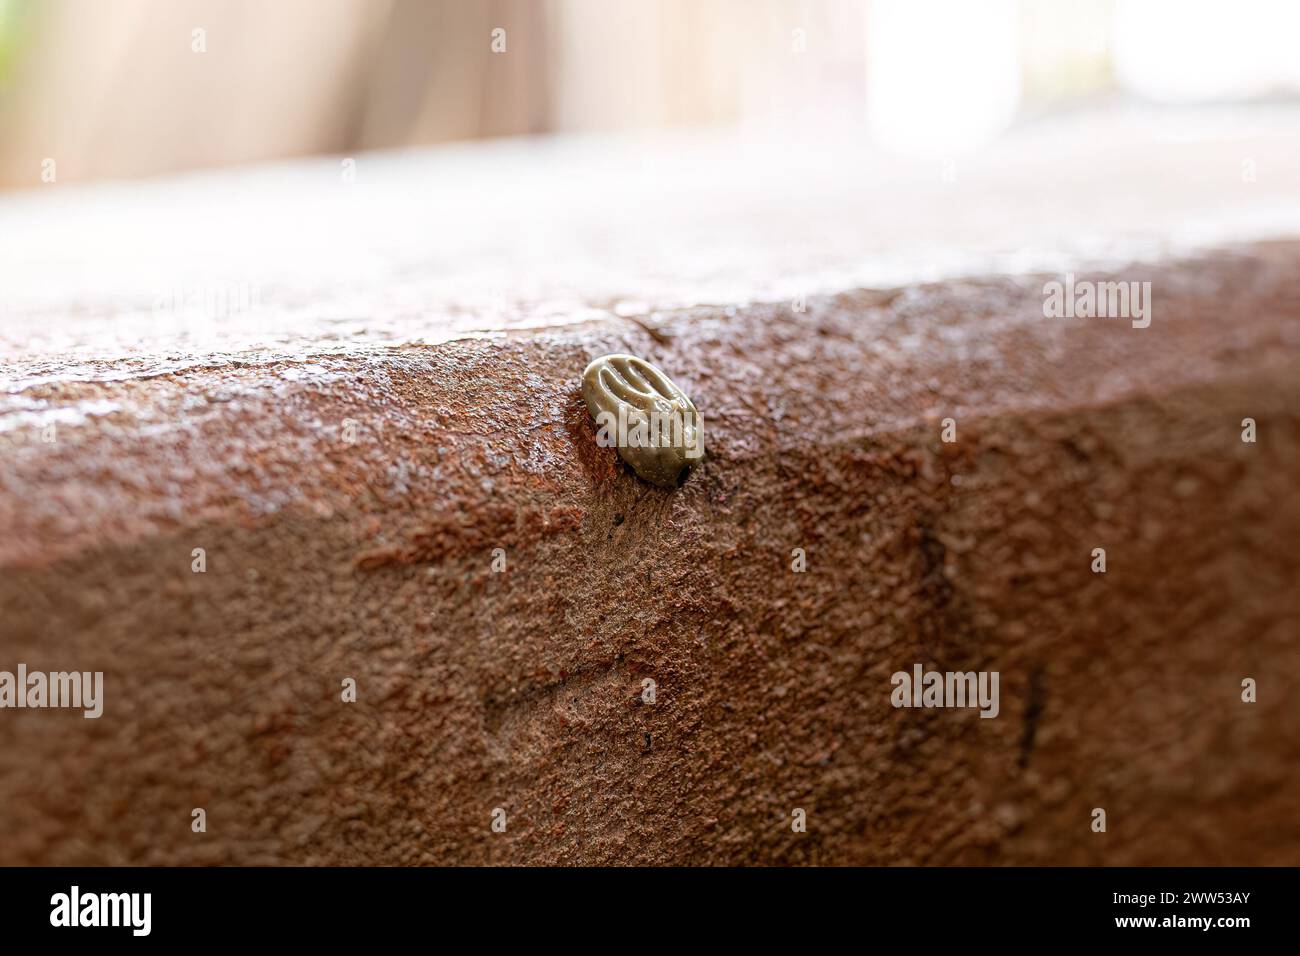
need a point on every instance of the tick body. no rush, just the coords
(641, 412)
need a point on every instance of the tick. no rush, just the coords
(641, 412)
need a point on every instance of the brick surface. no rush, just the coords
(371, 559)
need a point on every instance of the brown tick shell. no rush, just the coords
(633, 391)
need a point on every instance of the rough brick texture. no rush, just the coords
(522, 690)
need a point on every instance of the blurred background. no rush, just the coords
(134, 88)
